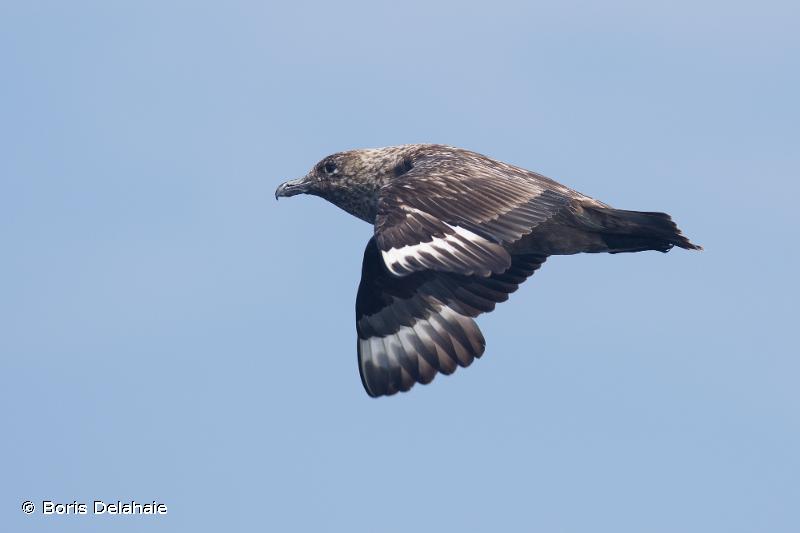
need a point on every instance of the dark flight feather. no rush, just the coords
(411, 327)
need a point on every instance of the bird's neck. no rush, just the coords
(360, 200)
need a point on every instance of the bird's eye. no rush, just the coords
(330, 168)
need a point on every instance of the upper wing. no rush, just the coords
(413, 326)
(456, 214)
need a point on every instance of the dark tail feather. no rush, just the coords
(636, 231)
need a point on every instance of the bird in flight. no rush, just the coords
(456, 232)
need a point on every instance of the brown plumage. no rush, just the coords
(455, 233)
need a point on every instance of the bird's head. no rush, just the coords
(352, 179)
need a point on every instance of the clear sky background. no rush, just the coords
(168, 331)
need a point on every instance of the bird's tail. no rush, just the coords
(636, 231)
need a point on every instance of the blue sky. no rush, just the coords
(172, 333)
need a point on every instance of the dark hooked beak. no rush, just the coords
(291, 188)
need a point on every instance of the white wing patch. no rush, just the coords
(462, 251)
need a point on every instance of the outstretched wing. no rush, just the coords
(411, 327)
(455, 214)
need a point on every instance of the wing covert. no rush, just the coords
(450, 216)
